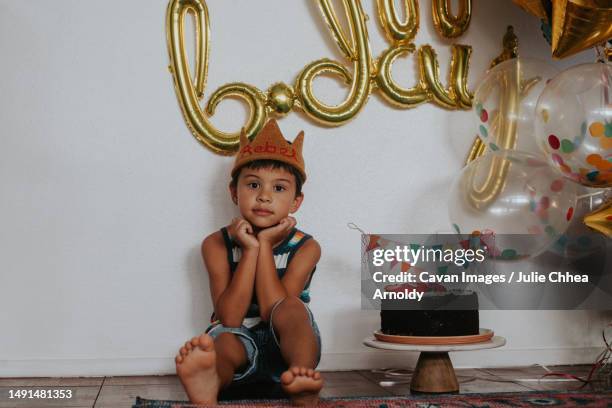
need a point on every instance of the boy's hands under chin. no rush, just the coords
(275, 234)
(242, 232)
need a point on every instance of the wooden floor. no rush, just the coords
(119, 392)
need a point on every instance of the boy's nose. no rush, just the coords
(263, 197)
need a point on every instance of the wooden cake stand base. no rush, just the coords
(434, 372)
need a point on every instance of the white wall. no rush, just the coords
(105, 196)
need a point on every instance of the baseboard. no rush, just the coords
(367, 359)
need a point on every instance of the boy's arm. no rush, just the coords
(231, 296)
(270, 289)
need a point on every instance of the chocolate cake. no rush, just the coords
(439, 313)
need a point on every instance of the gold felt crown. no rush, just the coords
(270, 144)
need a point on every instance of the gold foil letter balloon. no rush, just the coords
(447, 24)
(189, 90)
(396, 31)
(280, 98)
(357, 51)
(429, 86)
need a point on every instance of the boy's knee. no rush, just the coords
(288, 310)
(229, 346)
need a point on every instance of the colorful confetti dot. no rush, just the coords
(567, 146)
(592, 176)
(544, 203)
(456, 227)
(556, 185)
(596, 129)
(553, 141)
(493, 147)
(593, 159)
(570, 213)
(557, 159)
(483, 131)
(608, 131)
(484, 116)
(544, 114)
(478, 108)
(508, 253)
(583, 129)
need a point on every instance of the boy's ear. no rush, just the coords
(297, 201)
(233, 194)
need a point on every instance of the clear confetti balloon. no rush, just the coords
(574, 123)
(514, 202)
(505, 104)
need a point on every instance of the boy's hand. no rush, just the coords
(275, 234)
(242, 232)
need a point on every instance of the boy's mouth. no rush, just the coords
(259, 211)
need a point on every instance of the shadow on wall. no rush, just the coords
(217, 203)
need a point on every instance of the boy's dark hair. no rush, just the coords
(274, 164)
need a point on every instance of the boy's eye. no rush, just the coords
(253, 184)
(279, 188)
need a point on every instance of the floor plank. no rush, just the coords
(143, 380)
(350, 384)
(52, 381)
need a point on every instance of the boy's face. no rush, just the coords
(265, 196)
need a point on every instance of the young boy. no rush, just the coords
(259, 267)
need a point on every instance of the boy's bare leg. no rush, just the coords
(205, 366)
(299, 348)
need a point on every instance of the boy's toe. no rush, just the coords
(287, 377)
(206, 342)
(183, 351)
(178, 359)
(310, 372)
(295, 370)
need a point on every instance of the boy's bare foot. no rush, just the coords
(196, 368)
(303, 385)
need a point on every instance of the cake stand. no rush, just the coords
(434, 372)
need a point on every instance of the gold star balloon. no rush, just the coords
(601, 219)
(576, 24)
